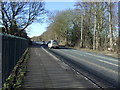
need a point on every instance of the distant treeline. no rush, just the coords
(90, 25)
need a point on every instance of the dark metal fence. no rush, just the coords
(12, 49)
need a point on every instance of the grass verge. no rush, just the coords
(107, 53)
(15, 79)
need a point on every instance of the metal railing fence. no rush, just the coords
(12, 49)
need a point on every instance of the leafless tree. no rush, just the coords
(17, 16)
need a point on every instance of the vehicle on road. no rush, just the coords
(52, 44)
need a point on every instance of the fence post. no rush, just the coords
(0, 61)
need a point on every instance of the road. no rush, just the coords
(101, 69)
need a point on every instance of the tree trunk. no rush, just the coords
(110, 26)
(94, 36)
(66, 38)
(105, 42)
(97, 37)
(81, 40)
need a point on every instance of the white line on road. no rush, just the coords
(103, 57)
(62, 64)
(92, 64)
(107, 62)
(108, 59)
(50, 54)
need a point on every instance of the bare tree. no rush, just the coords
(91, 25)
(17, 16)
(110, 24)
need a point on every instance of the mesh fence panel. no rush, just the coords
(11, 49)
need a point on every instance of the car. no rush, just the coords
(52, 44)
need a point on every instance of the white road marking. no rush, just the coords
(93, 64)
(107, 62)
(116, 60)
(62, 64)
(50, 54)
(108, 59)
(103, 61)
(103, 57)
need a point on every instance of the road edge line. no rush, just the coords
(51, 54)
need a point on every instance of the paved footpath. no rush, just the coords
(45, 72)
